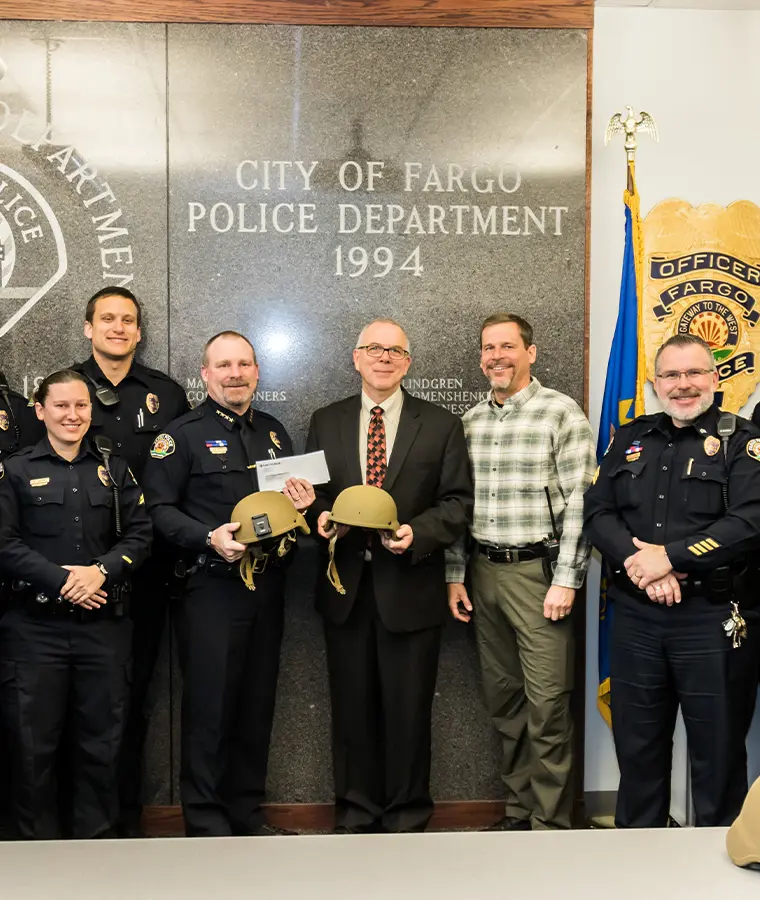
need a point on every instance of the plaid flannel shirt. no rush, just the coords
(539, 438)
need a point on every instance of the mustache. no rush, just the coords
(682, 395)
(235, 382)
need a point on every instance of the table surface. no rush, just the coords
(674, 863)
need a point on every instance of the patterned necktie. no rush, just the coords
(376, 464)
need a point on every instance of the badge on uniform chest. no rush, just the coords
(103, 476)
(711, 445)
(151, 402)
(5, 421)
(633, 452)
(218, 448)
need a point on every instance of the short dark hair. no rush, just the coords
(502, 318)
(89, 313)
(227, 333)
(64, 376)
(683, 340)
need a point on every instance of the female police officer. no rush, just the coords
(72, 528)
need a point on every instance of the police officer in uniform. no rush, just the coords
(73, 527)
(675, 510)
(131, 404)
(19, 426)
(229, 636)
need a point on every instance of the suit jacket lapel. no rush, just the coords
(349, 435)
(408, 426)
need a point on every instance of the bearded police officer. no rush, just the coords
(229, 635)
(131, 405)
(73, 528)
(675, 510)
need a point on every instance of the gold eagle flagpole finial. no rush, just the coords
(630, 124)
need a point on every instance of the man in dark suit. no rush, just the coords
(383, 635)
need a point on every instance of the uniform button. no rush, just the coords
(76, 518)
(633, 476)
(661, 497)
(492, 520)
(664, 468)
(493, 495)
(494, 469)
(703, 474)
(71, 467)
(670, 444)
(118, 419)
(78, 547)
(496, 443)
(118, 445)
(75, 490)
(659, 524)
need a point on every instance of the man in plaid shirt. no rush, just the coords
(523, 439)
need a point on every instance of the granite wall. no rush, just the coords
(293, 183)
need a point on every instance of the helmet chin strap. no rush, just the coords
(332, 570)
(254, 560)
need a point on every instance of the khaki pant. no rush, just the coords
(527, 667)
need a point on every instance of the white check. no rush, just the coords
(273, 473)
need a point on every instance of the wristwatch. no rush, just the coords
(208, 538)
(101, 568)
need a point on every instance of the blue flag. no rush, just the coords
(623, 399)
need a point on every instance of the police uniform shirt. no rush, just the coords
(17, 413)
(664, 485)
(54, 512)
(148, 401)
(203, 464)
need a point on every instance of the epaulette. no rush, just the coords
(157, 373)
(191, 416)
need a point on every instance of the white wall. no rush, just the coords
(698, 73)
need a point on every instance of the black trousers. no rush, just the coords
(62, 676)
(229, 649)
(151, 586)
(662, 657)
(381, 689)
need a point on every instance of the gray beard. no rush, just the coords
(704, 405)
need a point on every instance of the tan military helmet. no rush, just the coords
(363, 506)
(743, 839)
(264, 517)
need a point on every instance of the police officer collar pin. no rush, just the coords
(5, 422)
(151, 402)
(712, 445)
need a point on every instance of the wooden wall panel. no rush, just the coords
(480, 13)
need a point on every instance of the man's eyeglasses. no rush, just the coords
(691, 375)
(376, 351)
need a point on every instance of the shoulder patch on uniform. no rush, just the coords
(162, 446)
(753, 448)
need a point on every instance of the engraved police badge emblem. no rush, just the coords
(712, 445)
(701, 276)
(32, 250)
(162, 446)
(5, 422)
(151, 401)
(103, 476)
(275, 439)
